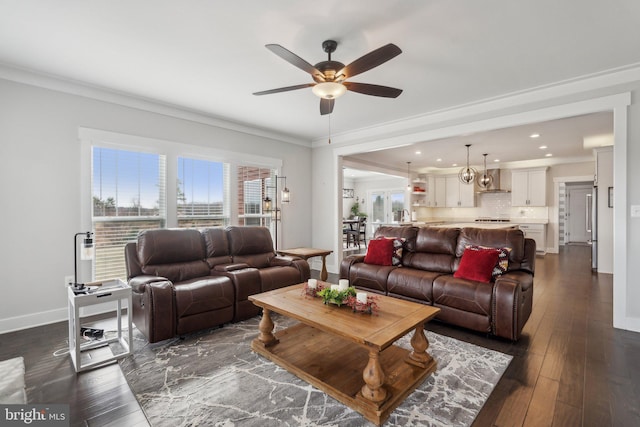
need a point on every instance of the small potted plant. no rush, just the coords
(335, 296)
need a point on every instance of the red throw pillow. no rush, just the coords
(477, 265)
(379, 252)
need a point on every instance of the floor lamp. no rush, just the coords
(269, 205)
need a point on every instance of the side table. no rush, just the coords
(113, 291)
(306, 253)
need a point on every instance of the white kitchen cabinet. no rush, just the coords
(459, 195)
(537, 232)
(529, 187)
(436, 191)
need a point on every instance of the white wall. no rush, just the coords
(41, 179)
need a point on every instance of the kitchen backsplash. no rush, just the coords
(491, 205)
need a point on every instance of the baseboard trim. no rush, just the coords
(42, 318)
(32, 320)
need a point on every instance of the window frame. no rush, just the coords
(89, 137)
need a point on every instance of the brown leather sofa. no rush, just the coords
(185, 280)
(430, 257)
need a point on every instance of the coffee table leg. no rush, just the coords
(266, 329)
(373, 376)
(323, 273)
(420, 344)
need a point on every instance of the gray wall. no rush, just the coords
(41, 179)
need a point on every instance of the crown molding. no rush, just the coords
(75, 87)
(410, 126)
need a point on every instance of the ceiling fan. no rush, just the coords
(330, 76)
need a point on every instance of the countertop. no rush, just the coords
(466, 222)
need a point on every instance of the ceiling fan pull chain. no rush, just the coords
(329, 128)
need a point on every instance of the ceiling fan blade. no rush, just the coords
(326, 106)
(293, 59)
(284, 89)
(371, 60)
(374, 90)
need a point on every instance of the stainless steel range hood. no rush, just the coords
(495, 183)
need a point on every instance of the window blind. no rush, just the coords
(254, 184)
(128, 192)
(202, 193)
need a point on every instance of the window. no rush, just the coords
(128, 191)
(202, 193)
(254, 184)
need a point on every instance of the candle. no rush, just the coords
(334, 288)
(361, 297)
(343, 284)
(313, 283)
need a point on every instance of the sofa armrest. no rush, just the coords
(303, 268)
(509, 314)
(230, 267)
(282, 261)
(154, 312)
(138, 284)
(346, 264)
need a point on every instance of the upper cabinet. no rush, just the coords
(458, 194)
(436, 191)
(529, 187)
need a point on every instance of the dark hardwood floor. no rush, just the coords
(570, 368)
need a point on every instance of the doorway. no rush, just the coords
(577, 216)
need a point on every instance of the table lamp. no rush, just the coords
(86, 253)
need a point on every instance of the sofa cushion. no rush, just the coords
(477, 264)
(502, 265)
(406, 233)
(369, 276)
(216, 246)
(203, 295)
(398, 246)
(411, 284)
(168, 246)
(251, 245)
(379, 252)
(435, 250)
(462, 294)
(503, 238)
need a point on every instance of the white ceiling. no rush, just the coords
(209, 56)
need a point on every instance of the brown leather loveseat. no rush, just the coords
(185, 280)
(430, 258)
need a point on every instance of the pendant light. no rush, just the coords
(485, 180)
(408, 177)
(467, 174)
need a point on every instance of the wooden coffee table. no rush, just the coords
(350, 356)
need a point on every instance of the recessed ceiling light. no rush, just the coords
(543, 147)
(534, 135)
(418, 152)
(455, 164)
(438, 160)
(496, 160)
(548, 155)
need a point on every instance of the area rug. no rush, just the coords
(214, 379)
(12, 387)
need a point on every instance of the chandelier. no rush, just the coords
(485, 180)
(467, 174)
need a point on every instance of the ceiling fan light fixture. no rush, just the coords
(329, 90)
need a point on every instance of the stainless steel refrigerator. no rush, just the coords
(592, 226)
